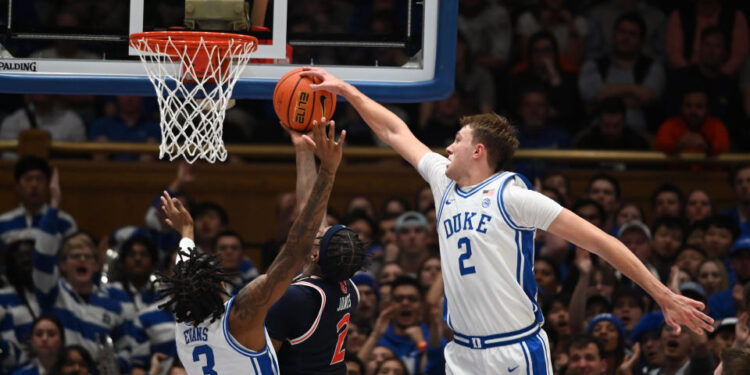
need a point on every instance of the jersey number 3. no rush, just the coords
(342, 327)
(208, 369)
(464, 242)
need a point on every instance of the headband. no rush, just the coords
(324, 245)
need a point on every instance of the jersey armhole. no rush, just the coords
(232, 343)
(501, 203)
(311, 330)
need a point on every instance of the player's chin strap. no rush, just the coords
(324, 245)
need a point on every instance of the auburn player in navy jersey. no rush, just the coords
(309, 324)
(215, 336)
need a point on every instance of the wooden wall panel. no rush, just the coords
(105, 196)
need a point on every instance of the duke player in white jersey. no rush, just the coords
(486, 223)
(215, 336)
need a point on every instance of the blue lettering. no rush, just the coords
(482, 221)
(448, 228)
(457, 222)
(467, 220)
(195, 334)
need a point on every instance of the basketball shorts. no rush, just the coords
(526, 357)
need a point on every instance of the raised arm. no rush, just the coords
(45, 272)
(253, 301)
(384, 123)
(677, 309)
(305, 163)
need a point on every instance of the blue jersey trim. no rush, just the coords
(443, 199)
(539, 355)
(466, 194)
(501, 205)
(526, 359)
(234, 344)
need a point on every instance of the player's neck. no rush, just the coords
(474, 177)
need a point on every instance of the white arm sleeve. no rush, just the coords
(432, 169)
(528, 208)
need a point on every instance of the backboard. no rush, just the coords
(393, 50)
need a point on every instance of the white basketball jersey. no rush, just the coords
(487, 252)
(211, 350)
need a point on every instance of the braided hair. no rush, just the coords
(195, 287)
(341, 253)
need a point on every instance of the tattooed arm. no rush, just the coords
(248, 311)
(305, 162)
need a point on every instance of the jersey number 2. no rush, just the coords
(342, 327)
(208, 369)
(464, 242)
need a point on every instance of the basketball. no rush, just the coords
(297, 105)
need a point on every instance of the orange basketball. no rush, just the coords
(297, 106)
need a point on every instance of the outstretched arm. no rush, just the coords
(249, 307)
(386, 125)
(677, 309)
(305, 162)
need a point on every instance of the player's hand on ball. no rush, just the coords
(330, 83)
(326, 148)
(297, 140)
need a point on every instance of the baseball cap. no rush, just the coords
(742, 243)
(635, 224)
(410, 219)
(364, 278)
(692, 289)
(726, 323)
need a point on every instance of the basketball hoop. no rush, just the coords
(193, 73)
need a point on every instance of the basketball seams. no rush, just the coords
(287, 94)
(312, 114)
(289, 106)
(276, 89)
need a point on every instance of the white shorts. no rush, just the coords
(531, 356)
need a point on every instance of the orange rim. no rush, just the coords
(191, 39)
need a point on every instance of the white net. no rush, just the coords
(193, 78)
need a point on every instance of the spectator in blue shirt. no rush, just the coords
(129, 124)
(407, 335)
(535, 131)
(741, 213)
(722, 304)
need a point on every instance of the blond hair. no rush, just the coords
(77, 241)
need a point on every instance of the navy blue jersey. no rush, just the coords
(312, 320)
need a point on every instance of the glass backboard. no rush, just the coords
(393, 50)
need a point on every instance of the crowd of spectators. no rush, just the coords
(68, 297)
(611, 74)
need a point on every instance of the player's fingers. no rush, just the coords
(675, 327)
(164, 204)
(705, 321)
(332, 132)
(178, 204)
(169, 222)
(342, 137)
(696, 304)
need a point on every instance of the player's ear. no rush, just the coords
(479, 150)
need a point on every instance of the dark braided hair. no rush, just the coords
(194, 289)
(344, 255)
